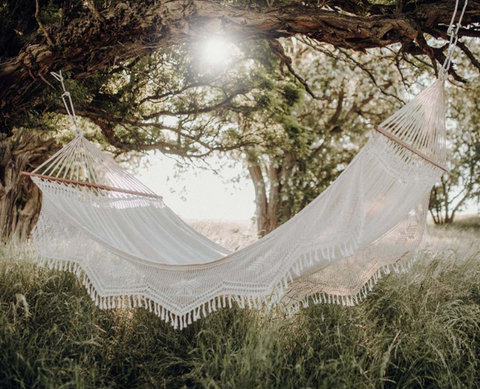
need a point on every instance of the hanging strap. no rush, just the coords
(453, 33)
(67, 101)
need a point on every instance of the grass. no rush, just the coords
(466, 222)
(418, 329)
(232, 235)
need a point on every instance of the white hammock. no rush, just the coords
(131, 250)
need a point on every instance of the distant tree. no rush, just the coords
(314, 137)
(461, 185)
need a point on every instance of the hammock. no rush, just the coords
(131, 250)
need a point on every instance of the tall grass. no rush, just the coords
(418, 329)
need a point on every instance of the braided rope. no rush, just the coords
(453, 33)
(67, 101)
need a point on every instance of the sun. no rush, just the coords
(215, 51)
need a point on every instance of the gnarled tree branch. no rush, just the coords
(133, 29)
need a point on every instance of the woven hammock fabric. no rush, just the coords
(131, 250)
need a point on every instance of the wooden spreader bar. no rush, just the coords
(408, 147)
(88, 185)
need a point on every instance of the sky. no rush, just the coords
(200, 193)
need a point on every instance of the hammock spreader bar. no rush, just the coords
(408, 147)
(89, 185)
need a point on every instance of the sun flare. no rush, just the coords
(216, 51)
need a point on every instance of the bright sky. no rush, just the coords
(199, 193)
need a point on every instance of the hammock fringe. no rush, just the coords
(181, 321)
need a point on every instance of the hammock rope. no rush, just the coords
(408, 147)
(453, 33)
(88, 185)
(67, 101)
(130, 249)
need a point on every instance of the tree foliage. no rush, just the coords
(90, 36)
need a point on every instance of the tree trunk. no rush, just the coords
(274, 176)
(20, 199)
(270, 209)
(261, 202)
(441, 203)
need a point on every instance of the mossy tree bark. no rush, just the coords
(87, 39)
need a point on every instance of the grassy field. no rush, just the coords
(419, 329)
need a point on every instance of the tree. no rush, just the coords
(314, 138)
(462, 183)
(20, 200)
(167, 101)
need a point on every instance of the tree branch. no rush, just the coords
(278, 50)
(333, 120)
(40, 24)
(94, 10)
(134, 29)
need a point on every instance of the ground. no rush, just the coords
(417, 329)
